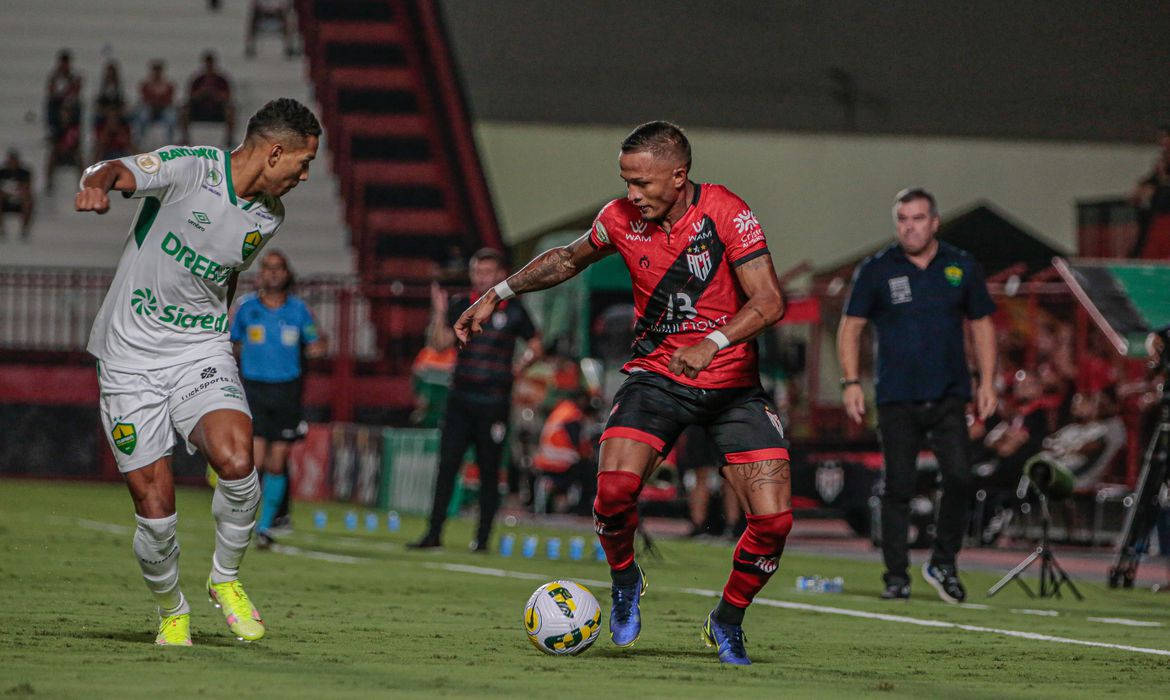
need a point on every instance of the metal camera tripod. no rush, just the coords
(1052, 576)
(1135, 536)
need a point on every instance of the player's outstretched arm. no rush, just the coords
(548, 269)
(764, 307)
(98, 180)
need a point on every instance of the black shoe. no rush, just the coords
(946, 581)
(896, 589)
(427, 542)
(479, 547)
(264, 540)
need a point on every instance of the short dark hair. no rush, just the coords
(283, 116)
(661, 138)
(912, 193)
(489, 254)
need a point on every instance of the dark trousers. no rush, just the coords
(469, 422)
(904, 427)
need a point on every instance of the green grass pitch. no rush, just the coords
(353, 614)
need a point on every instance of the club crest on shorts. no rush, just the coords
(499, 432)
(775, 420)
(125, 437)
(499, 320)
(699, 261)
(251, 242)
(830, 481)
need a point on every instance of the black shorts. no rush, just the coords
(276, 409)
(742, 422)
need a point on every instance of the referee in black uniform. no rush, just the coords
(479, 403)
(917, 293)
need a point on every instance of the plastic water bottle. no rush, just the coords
(576, 548)
(552, 548)
(833, 585)
(598, 551)
(319, 519)
(808, 584)
(530, 544)
(372, 522)
(351, 520)
(507, 544)
(392, 521)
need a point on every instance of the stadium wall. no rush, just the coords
(820, 197)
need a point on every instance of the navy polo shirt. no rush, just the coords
(917, 316)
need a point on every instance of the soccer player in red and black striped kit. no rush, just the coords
(704, 288)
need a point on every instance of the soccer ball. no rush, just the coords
(562, 617)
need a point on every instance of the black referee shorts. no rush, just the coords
(741, 422)
(276, 409)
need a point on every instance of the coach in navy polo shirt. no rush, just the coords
(917, 293)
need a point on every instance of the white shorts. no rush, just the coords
(142, 408)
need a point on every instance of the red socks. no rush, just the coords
(756, 556)
(615, 515)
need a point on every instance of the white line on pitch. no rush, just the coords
(1125, 621)
(1032, 611)
(805, 607)
(104, 527)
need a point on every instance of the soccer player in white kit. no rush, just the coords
(165, 362)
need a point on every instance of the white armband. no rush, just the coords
(503, 291)
(719, 339)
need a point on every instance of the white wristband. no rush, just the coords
(719, 339)
(503, 291)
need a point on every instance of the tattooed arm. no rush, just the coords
(764, 307)
(548, 269)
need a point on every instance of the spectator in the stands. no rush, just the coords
(264, 14)
(109, 94)
(156, 103)
(65, 146)
(62, 94)
(209, 100)
(62, 116)
(16, 194)
(113, 136)
(1152, 196)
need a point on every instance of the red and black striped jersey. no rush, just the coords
(684, 280)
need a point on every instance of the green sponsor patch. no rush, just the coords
(125, 437)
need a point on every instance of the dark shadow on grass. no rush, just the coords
(647, 653)
(147, 638)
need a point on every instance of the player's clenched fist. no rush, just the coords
(692, 359)
(92, 199)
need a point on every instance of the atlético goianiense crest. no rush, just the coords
(699, 261)
(954, 275)
(251, 240)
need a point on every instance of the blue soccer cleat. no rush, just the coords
(625, 620)
(728, 638)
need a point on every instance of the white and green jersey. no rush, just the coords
(167, 303)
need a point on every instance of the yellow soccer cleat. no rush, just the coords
(174, 631)
(243, 618)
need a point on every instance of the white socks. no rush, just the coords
(157, 549)
(234, 507)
